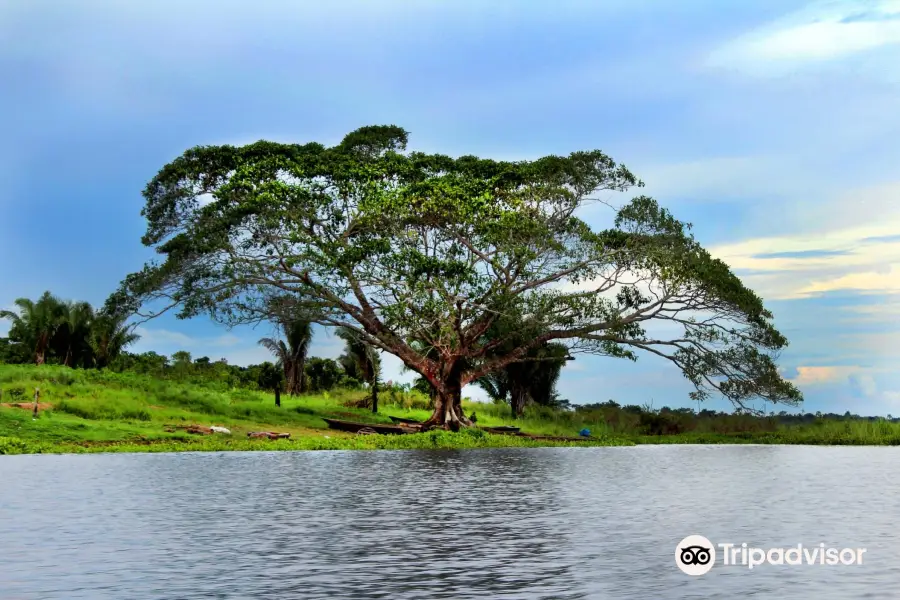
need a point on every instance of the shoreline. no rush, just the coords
(436, 440)
(433, 440)
(89, 411)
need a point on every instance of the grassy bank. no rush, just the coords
(98, 411)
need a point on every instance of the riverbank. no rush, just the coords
(94, 411)
(97, 411)
(433, 440)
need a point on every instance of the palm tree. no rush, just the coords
(533, 379)
(541, 375)
(74, 333)
(291, 355)
(108, 337)
(360, 360)
(36, 323)
(496, 385)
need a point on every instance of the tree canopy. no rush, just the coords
(421, 254)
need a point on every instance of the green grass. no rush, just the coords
(861, 433)
(97, 411)
(94, 411)
(432, 440)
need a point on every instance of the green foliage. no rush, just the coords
(360, 360)
(149, 363)
(271, 377)
(532, 378)
(96, 411)
(433, 440)
(13, 353)
(291, 355)
(69, 333)
(107, 411)
(421, 254)
(323, 374)
(13, 445)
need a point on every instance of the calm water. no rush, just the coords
(548, 523)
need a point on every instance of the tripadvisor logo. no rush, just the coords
(696, 555)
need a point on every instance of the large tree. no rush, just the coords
(406, 247)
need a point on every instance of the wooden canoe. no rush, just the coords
(403, 420)
(353, 427)
(502, 429)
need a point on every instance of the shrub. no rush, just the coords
(15, 394)
(660, 424)
(14, 445)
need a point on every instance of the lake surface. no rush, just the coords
(519, 523)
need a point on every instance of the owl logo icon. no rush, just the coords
(695, 555)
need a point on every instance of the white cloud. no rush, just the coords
(872, 313)
(812, 375)
(243, 356)
(883, 344)
(820, 33)
(871, 384)
(892, 397)
(874, 387)
(839, 251)
(166, 341)
(865, 384)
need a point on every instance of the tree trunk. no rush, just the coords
(288, 379)
(39, 358)
(277, 397)
(68, 358)
(374, 394)
(517, 398)
(448, 410)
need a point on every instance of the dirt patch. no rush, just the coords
(27, 405)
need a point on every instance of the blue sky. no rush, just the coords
(772, 126)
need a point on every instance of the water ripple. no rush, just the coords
(521, 523)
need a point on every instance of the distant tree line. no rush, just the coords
(672, 421)
(74, 334)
